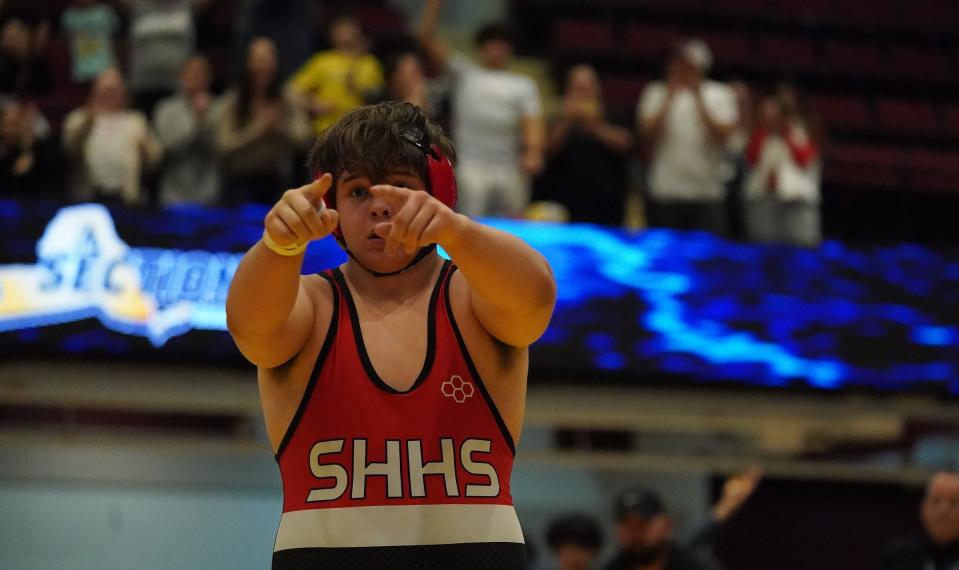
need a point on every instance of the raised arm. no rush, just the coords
(512, 289)
(437, 50)
(269, 309)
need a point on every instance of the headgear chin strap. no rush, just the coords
(441, 184)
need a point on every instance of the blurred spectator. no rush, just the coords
(184, 124)
(339, 79)
(587, 151)
(497, 120)
(645, 530)
(110, 145)
(162, 37)
(937, 547)
(575, 541)
(288, 23)
(23, 66)
(406, 81)
(90, 25)
(687, 120)
(782, 186)
(26, 159)
(258, 131)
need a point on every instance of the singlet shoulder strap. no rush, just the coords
(448, 305)
(317, 366)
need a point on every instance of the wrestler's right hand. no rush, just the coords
(300, 216)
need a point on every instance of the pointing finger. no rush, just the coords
(391, 193)
(315, 191)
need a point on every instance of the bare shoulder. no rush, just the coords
(282, 387)
(502, 368)
(298, 367)
(478, 340)
(320, 291)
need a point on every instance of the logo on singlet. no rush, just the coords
(458, 389)
(344, 467)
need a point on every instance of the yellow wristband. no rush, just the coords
(284, 250)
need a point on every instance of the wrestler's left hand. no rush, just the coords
(419, 220)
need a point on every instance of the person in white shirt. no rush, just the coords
(781, 190)
(686, 120)
(497, 121)
(110, 145)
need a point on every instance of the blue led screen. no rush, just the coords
(92, 282)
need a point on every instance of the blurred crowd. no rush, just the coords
(150, 128)
(645, 536)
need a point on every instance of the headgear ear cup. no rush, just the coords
(442, 179)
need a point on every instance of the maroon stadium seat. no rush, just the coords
(868, 155)
(787, 52)
(931, 15)
(945, 162)
(952, 120)
(622, 92)
(729, 48)
(861, 166)
(747, 8)
(934, 170)
(674, 5)
(583, 37)
(897, 116)
(806, 10)
(919, 63)
(380, 21)
(933, 183)
(884, 178)
(853, 59)
(873, 14)
(843, 111)
(652, 42)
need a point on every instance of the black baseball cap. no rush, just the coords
(641, 502)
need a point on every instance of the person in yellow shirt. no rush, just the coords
(334, 81)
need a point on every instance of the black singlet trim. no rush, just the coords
(361, 346)
(472, 368)
(320, 360)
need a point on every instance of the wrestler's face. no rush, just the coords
(361, 213)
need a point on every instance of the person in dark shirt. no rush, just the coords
(645, 530)
(23, 68)
(574, 540)
(587, 153)
(26, 155)
(937, 547)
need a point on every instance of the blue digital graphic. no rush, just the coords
(658, 304)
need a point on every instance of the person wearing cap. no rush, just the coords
(686, 120)
(644, 529)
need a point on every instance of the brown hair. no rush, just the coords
(369, 141)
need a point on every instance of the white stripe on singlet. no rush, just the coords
(401, 525)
